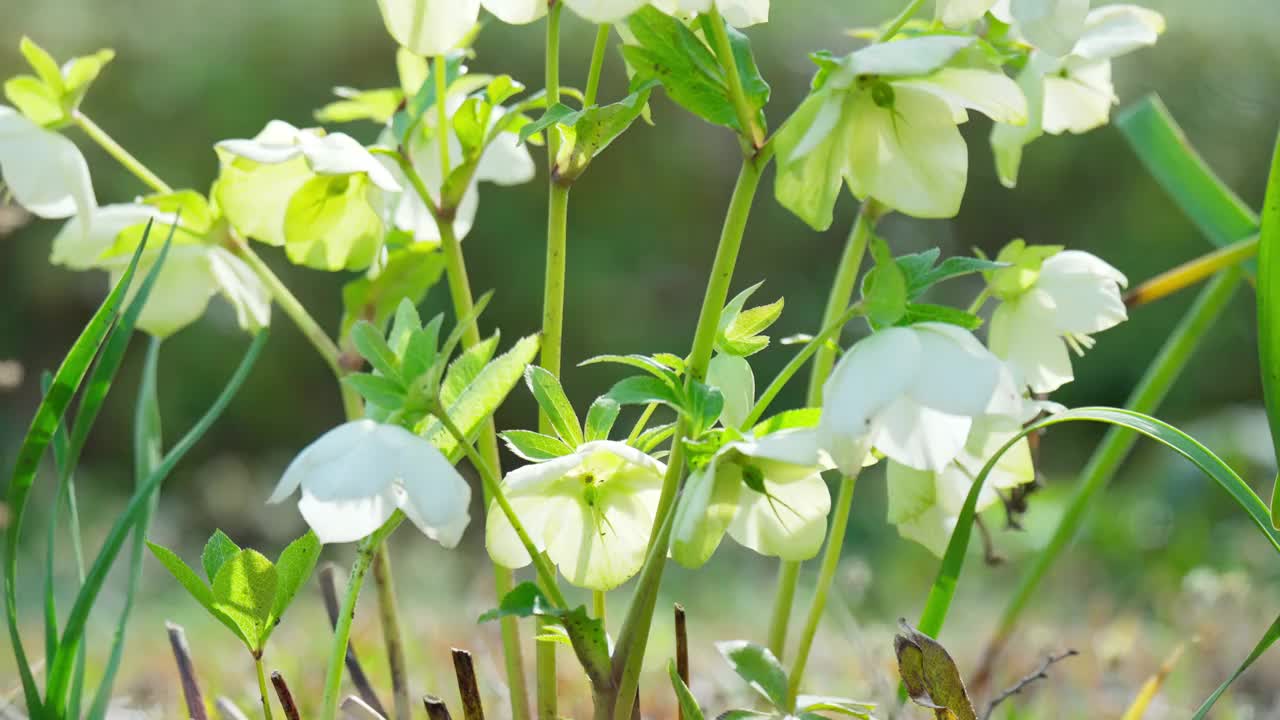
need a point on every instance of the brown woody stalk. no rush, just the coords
(187, 671)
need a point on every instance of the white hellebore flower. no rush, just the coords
(767, 492)
(44, 170)
(1052, 25)
(1074, 93)
(505, 162)
(197, 267)
(739, 13)
(354, 477)
(925, 505)
(429, 27)
(885, 121)
(591, 512)
(1075, 295)
(910, 392)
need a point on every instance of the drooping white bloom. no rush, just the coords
(737, 383)
(912, 393)
(767, 492)
(516, 12)
(1074, 93)
(925, 505)
(197, 267)
(326, 154)
(592, 512)
(1054, 26)
(354, 477)
(1075, 295)
(958, 13)
(505, 162)
(739, 13)
(885, 121)
(43, 169)
(429, 27)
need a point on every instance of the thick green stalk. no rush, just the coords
(751, 132)
(442, 111)
(826, 576)
(262, 687)
(392, 638)
(1114, 448)
(838, 299)
(365, 552)
(629, 652)
(552, 335)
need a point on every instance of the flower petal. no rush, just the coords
(1023, 332)
(429, 27)
(340, 154)
(1115, 30)
(348, 519)
(957, 374)
(1051, 25)
(431, 492)
(1079, 102)
(914, 509)
(242, 287)
(83, 239)
(345, 462)
(790, 522)
(44, 170)
(920, 436)
(181, 292)
(733, 376)
(958, 13)
(991, 93)
(706, 507)
(536, 514)
(604, 11)
(1085, 290)
(516, 12)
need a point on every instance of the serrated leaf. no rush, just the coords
(217, 551)
(374, 348)
(554, 115)
(464, 369)
(193, 585)
(642, 390)
(555, 404)
(524, 600)
(80, 73)
(420, 353)
(293, 569)
(884, 289)
(42, 62)
(34, 99)
(535, 447)
(590, 643)
(409, 273)
(750, 323)
(406, 321)
(734, 307)
(921, 274)
(483, 395)
(245, 590)
(757, 665)
(754, 87)
(669, 52)
(652, 365)
(601, 416)
(593, 129)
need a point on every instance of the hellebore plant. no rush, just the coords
(594, 507)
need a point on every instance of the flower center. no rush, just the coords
(882, 94)
(753, 477)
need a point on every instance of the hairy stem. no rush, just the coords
(838, 299)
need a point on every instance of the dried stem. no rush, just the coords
(329, 590)
(391, 635)
(286, 697)
(682, 649)
(472, 709)
(227, 710)
(187, 671)
(353, 708)
(1042, 673)
(436, 709)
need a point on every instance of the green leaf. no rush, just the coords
(80, 74)
(34, 99)
(245, 590)
(470, 124)
(409, 273)
(483, 396)
(642, 390)
(689, 708)
(293, 569)
(652, 365)
(465, 368)
(706, 403)
(909, 56)
(330, 224)
(420, 354)
(425, 98)
(921, 274)
(601, 416)
(374, 348)
(375, 105)
(925, 312)
(73, 632)
(217, 551)
(44, 425)
(588, 132)
(194, 585)
(555, 405)
(653, 437)
(1163, 148)
(43, 63)
(843, 706)
(383, 392)
(405, 323)
(884, 289)
(801, 418)
(757, 665)
(750, 323)
(1269, 314)
(535, 447)
(944, 586)
(501, 89)
(754, 87)
(669, 52)
(553, 115)
(524, 600)
(932, 679)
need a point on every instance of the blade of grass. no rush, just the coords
(1269, 313)
(944, 586)
(1264, 643)
(124, 524)
(1165, 151)
(59, 444)
(147, 449)
(48, 416)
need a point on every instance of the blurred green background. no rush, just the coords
(643, 226)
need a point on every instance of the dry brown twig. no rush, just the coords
(1042, 673)
(187, 672)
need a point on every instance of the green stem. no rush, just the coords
(838, 299)
(597, 64)
(262, 687)
(600, 604)
(629, 652)
(826, 576)
(389, 618)
(365, 552)
(122, 156)
(901, 20)
(552, 334)
(638, 429)
(442, 114)
(1115, 446)
(751, 131)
